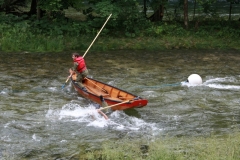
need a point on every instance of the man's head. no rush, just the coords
(75, 55)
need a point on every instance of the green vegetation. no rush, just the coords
(165, 148)
(57, 25)
(41, 36)
(197, 148)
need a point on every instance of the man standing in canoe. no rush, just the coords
(79, 68)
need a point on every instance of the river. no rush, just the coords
(40, 120)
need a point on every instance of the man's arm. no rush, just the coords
(74, 68)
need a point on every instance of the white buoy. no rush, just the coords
(194, 79)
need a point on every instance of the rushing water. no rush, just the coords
(40, 120)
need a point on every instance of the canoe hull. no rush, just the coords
(111, 94)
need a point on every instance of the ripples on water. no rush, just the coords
(39, 119)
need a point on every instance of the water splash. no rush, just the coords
(220, 86)
(89, 116)
(228, 83)
(36, 138)
(5, 91)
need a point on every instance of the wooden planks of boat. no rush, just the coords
(111, 94)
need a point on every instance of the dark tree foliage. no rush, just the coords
(129, 17)
(12, 6)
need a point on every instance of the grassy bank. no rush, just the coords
(165, 43)
(197, 148)
(39, 43)
(20, 35)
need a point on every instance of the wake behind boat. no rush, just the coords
(119, 99)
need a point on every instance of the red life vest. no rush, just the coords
(81, 64)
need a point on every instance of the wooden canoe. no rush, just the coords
(112, 95)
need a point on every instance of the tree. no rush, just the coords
(127, 17)
(145, 7)
(158, 8)
(185, 13)
(52, 8)
(230, 7)
(11, 6)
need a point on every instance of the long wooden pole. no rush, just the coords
(89, 47)
(66, 81)
(96, 36)
(115, 105)
(104, 115)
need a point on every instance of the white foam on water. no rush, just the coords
(6, 125)
(5, 91)
(74, 110)
(6, 139)
(100, 122)
(149, 94)
(228, 83)
(53, 89)
(225, 79)
(118, 120)
(35, 138)
(218, 83)
(121, 121)
(63, 141)
(220, 86)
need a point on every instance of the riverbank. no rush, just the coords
(39, 43)
(19, 35)
(165, 43)
(174, 148)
